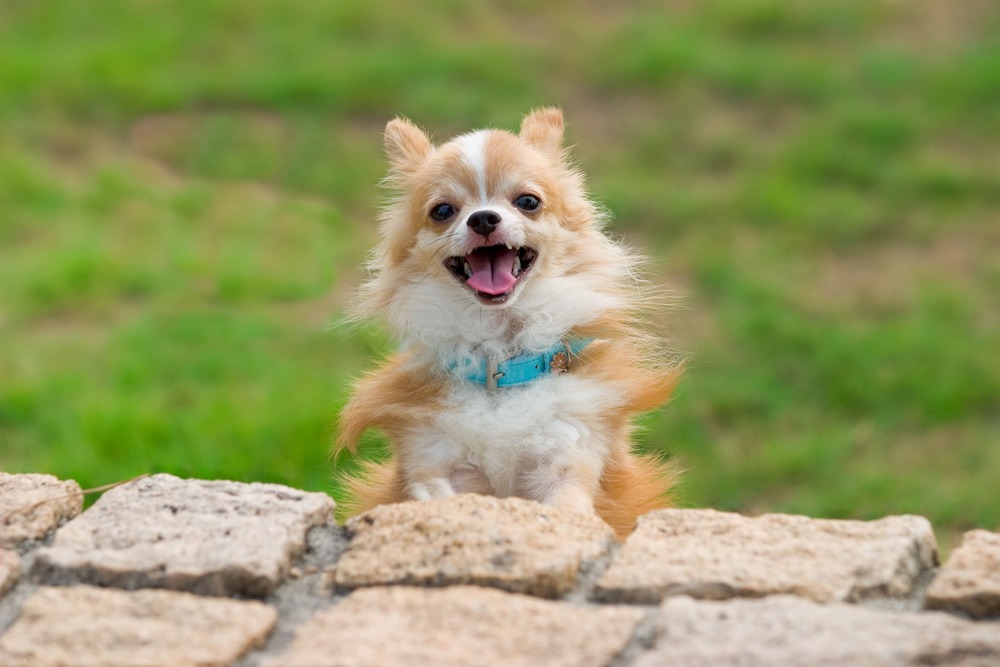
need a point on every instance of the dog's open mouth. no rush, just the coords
(492, 272)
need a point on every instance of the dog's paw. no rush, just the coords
(571, 497)
(432, 489)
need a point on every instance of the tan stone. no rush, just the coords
(782, 630)
(83, 626)
(970, 580)
(216, 538)
(31, 506)
(459, 626)
(717, 555)
(10, 570)
(509, 543)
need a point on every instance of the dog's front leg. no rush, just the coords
(429, 486)
(575, 493)
(429, 460)
(568, 479)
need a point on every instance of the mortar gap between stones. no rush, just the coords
(643, 639)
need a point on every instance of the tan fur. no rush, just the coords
(408, 391)
(543, 127)
(632, 485)
(378, 483)
(387, 398)
(405, 145)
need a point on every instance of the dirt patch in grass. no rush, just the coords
(319, 314)
(683, 317)
(888, 277)
(161, 136)
(86, 328)
(939, 26)
(599, 122)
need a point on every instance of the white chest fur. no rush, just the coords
(520, 440)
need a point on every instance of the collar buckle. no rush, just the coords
(493, 374)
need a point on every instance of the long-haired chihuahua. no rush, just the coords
(522, 362)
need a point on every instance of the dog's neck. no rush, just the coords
(491, 334)
(443, 330)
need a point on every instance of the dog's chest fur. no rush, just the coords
(549, 422)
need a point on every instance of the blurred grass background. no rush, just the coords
(187, 191)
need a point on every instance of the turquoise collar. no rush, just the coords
(524, 367)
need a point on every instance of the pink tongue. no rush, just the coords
(492, 270)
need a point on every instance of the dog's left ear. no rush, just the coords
(406, 145)
(543, 128)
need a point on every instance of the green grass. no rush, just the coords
(187, 191)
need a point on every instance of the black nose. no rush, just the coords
(484, 222)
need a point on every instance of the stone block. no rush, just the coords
(717, 555)
(459, 626)
(84, 626)
(784, 630)
(32, 506)
(10, 570)
(214, 538)
(508, 543)
(970, 581)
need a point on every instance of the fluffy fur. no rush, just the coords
(563, 439)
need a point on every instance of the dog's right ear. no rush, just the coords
(406, 145)
(544, 129)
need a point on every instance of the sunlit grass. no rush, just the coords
(188, 190)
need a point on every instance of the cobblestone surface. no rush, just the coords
(459, 626)
(213, 538)
(792, 631)
(10, 570)
(717, 555)
(416, 583)
(31, 506)
(507, 543)
(85, 626)
(970, 581)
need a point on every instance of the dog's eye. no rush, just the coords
(442, 212)
(527, 202)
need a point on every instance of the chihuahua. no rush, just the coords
(522, 361)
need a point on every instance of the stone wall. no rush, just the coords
(164, 571)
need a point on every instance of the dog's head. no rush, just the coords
(489, 221)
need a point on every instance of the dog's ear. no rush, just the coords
(543, 128)
(406, 145)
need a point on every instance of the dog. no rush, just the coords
(522, 361)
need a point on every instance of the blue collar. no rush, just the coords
(524, 367)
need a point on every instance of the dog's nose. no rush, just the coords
(484, 222)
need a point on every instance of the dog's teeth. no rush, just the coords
(510, 246)
(467, 269)
(517, 266)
